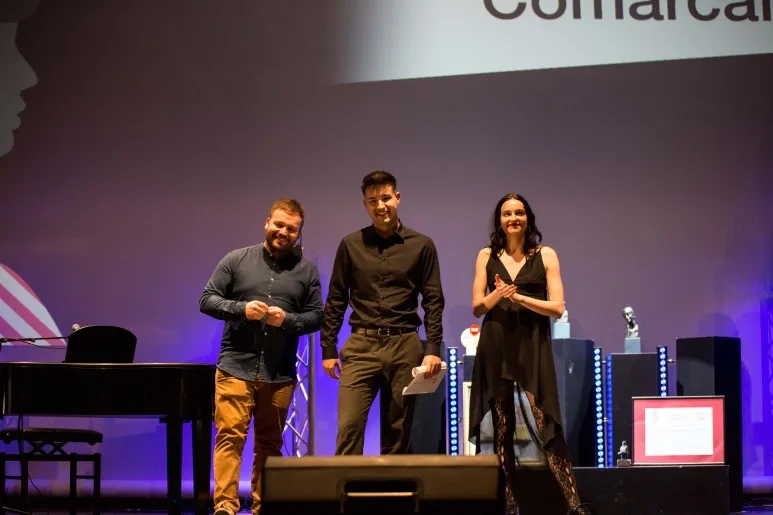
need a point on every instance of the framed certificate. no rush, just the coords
(678, 430)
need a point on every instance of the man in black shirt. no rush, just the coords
(380, 271)
(268, 296)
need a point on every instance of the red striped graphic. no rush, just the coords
(22, 314)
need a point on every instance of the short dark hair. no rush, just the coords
(288, 205)
(377, 179)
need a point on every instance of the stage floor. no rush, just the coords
(758, 508)
(673, 490)
(749, 511)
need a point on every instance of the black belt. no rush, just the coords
(382, 331)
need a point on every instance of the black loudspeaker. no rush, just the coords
(376, 485)
(575, 377)
(428, 429)
(628, 375)
(712, 366)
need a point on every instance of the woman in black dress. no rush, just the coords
(518, 288)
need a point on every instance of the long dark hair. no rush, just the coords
(499, 241)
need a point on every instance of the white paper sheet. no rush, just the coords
(420, 384)
(679, 432)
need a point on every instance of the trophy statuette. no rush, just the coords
(632, 343)
(622, 456)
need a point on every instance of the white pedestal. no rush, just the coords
(632, 346)
(561, 330)
(468, 449)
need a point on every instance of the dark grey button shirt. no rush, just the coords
(382, 279)
(253, 349)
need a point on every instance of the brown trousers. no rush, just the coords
(236, 403)
(370, 365)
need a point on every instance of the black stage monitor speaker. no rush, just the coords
(394, 484)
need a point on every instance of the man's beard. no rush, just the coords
(282, 245)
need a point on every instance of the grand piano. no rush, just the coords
(173, 393)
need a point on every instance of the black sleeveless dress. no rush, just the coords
(515, 346)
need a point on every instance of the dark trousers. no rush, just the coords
(370, 365)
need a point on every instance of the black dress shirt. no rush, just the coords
(252, 349)
(381, 278)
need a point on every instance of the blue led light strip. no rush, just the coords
(663, 367)
(598, 396)
(452, 403)
(610, 441)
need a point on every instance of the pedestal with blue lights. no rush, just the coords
(575, 366)
(628, 376)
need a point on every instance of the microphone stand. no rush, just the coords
(30, 340)
(25, 340)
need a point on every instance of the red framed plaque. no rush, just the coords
(678, 430)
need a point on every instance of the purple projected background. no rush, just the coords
(158, 134)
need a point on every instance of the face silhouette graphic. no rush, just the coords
(16, 73)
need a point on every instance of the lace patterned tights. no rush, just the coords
(503, 414)
(562, 469)
(503, 419)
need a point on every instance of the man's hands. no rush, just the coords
(275, 316)
(332, 367)
(256, 310)
(433, 366)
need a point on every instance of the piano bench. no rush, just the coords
(47, 444)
